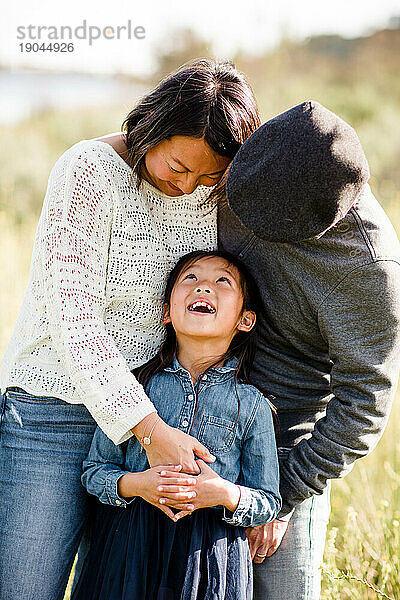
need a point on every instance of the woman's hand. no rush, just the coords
(209, 490)
(170, 445)
(147, 485)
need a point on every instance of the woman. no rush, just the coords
(119, 211)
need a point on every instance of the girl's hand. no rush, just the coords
(170, 445)
(210, 490)
(146, 484)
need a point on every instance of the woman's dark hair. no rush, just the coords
(243, 344)
(204, 98)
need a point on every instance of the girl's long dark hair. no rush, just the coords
(204, 98)
(242, 346)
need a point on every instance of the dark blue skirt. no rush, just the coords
(138, 553)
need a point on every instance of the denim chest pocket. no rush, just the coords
(217, 433)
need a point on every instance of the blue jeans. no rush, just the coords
(293, 572)
(43, 506)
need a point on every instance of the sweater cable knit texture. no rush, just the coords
(93, 305)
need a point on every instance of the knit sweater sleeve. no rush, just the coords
(360, 321)
(74, 244)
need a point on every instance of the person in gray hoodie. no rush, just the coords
(302, 217)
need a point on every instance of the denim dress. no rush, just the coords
(137, 552)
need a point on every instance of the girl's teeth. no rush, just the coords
(201, 304)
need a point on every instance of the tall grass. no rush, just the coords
(362, 555)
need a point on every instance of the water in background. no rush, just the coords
(24, 93)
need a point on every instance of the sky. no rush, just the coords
(229, 25)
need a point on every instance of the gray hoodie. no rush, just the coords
(329, 347)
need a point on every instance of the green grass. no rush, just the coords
(362, 555)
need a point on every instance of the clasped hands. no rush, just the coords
(166, 487)
(189, 484)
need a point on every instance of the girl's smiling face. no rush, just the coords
(176, 166)
(207, 302)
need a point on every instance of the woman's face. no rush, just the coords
(207, 302)
(176, 166)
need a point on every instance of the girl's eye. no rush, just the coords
(190, 276)
(224, 279)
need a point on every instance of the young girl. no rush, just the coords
(198, 382)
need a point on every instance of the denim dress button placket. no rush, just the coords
(187, 412)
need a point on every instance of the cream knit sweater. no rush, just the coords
(93, 305)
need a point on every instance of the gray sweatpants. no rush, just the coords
(293, 572)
